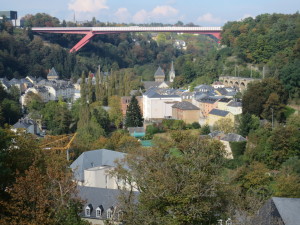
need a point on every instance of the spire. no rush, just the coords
(172, 73)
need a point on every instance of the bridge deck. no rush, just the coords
(91, 31)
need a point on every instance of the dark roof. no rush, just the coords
(209, 100)
(52, 73)
(226, 100)
(185, 106)
(96, 197)
(218, 112)
(92, 159)
(203, 87)
(150, 84)
(23, 123)
(216, 133)
(235, 104)
(159, 72)
(276, 210)
(233, 138)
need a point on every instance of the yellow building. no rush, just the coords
(216, 114)
(186, 111)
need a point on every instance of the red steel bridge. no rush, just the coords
(90, 32)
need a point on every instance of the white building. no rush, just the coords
(158, 106)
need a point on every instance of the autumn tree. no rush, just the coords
(225, 125)
(176, 189)
(45, 194)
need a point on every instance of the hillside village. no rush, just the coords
(206, 104)
(165, 136)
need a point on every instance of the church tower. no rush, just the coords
(172, 73)
(159, 75)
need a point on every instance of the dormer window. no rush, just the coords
(99, 211)
(109, 212)
(88, 210)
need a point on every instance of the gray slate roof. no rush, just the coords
(218, 112)
(94, 158)
(151, 84)
(159, 72)
(96, 197)
(185, 106)
(52, 73)
(226, 100)
(289, 209)
(235, 104)
(233, 138)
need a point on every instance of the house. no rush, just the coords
(222, 103)
(5, 83)
(157, 106)
(185, 111)
(203, 88)
(227, 92)
(206, 104)
(91, 169)
(187, 96)
(234, 107)
(101, 204)
(216, 114)
(125, 101)
(279, 211)
(217, 84)
(52, 75)
(28, 125)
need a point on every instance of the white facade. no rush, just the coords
(100, 177)
(158, 107)
(234, 110)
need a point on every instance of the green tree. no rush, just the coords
(184, 189)
(115, 111)
(133, 117)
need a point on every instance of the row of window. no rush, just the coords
(100, 210)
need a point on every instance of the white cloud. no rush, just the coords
(122, 15)
(164, 11)
(159, 13)
(209, 18)
(246, 16)
(87, 5)
(141, 16)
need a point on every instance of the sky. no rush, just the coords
(203, 13)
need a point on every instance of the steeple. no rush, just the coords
(159, 75)
(172, 73)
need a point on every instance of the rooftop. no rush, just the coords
(185, 106)
(218, 112)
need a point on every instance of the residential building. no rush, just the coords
(92, 168)
(222, 103)
(158, 106)
(234, 107)
(206, 104)
(27, 125)
(218, 84)
(185, 111)
(125, 101)
(279, 211)
(216, 114)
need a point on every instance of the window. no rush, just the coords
(98, 212)
(109, 213)
(87, 211)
